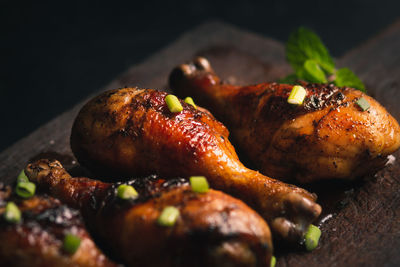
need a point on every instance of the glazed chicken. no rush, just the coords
(328, 136)
(213, 229)
(132, 132)
(38, 239)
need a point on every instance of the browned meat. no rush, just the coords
(327, 137)
(213, 229)
(132, 131)
(38, 239)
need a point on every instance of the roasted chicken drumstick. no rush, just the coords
(37, 241)
(213, 229)
(329, 136)
(131, 131)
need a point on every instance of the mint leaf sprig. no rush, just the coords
(311, 62)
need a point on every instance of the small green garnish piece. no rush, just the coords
(25, 189)
(22, 177)
(312, 237)
(125, 191)
(168, 216)
(190, 101)
(71, 243)
(273, 261)
(363, 104)
(12, 213)
(297, 95)
(199, 184)
(173, 103)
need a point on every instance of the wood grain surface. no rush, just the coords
(361, 221)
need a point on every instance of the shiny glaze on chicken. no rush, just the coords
(131, 131)
(37, 241)
(327, 137)
(213, 229)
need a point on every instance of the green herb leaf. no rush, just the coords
(345, 77)
(303, 44)
(312, 72)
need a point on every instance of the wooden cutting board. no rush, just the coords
(361, 221)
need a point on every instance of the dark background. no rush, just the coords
(54, 54)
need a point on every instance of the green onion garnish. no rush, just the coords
(363, 103)
(125, 191)
(168, 216)
(71, 243)
(190, 101)
(25, 189)
(199, 184)
(297, 95)
(22, 177)
(12, 213)
(312, 237)
(173, 103)
(273, 261)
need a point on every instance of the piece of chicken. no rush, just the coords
(37, 241)
(213, 229)
(131, 131)
(328, 136)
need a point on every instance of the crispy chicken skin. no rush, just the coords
(213, 229)
(132, 131)
(327, 137)
(38, 239)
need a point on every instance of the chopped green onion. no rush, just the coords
(12, 213)
(190, 101)
(312, 237)
(71, 243)
(363, 104)
(273, 261)
(168, 216)
(22, 177)
(173, 103)
(25, 189)
(297, 95)
(199, 184)
(126, 192)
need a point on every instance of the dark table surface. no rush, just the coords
(360, 220)
(54, 54)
